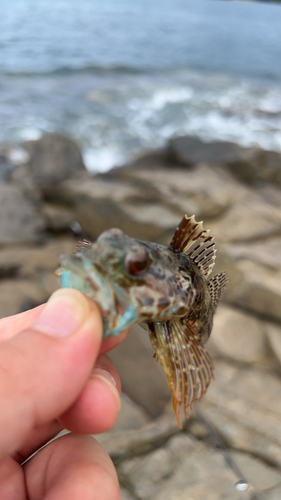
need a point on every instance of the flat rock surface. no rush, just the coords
(238, 336)
(244, 406)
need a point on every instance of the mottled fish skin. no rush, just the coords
(165, 289)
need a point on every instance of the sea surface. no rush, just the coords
(123, 76)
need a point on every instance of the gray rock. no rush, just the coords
(251, 218)
(245, 408)
(20, 220)
(201, 191)
(189, 151)
(29, 262)
(143, 379)
(121, 444)
(100, 204)
(125, 495)
(19, 295)
(53, 159)
(131, 415)
(251, 165)
(57, 217)
(251, 286)
(238, 336)
(273, 333)
(5, 168)
(185, 468)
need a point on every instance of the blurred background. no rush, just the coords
(129, 115)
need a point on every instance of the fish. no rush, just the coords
(165, 289)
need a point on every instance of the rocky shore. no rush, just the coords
(48, 200)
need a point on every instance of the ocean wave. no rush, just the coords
(68, 70)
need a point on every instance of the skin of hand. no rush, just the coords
(54, 374)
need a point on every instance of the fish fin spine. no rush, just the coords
(217, 287)
(192, 239)
(185, 360)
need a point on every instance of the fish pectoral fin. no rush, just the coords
(188, 366)
(217, 287)
(195, 241)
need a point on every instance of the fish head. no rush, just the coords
(132, 281)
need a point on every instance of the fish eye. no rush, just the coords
(137, 261)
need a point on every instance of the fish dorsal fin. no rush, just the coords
(195, 241)
(185, 360)
(217, 287)
(83, 245)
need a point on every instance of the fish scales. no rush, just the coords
(166, 290)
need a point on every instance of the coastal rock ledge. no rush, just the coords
(50, 200)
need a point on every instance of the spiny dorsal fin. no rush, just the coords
(185, 360)
(83, 245)
(192, 239)
(217, 287)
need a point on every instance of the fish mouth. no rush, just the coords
(79, 272)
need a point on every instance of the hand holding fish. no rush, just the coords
(47, 383)
(164, 289)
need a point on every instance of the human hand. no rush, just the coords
(47, 382)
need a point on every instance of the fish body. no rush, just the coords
(165, 289)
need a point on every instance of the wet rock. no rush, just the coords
(189, 151)
(238, 336)
(5, 168)
(244, 407)
(20, 220)
(53, 159)
(250, 165)
(255, 165)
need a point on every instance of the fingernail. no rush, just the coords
(100, 372)
(63, 314)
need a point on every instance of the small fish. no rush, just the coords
(165, 289)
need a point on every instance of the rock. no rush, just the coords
(255, 165)
(33, 269)
(250, 219)
(19, 295)
(124, 443)
(29, 262)
(131, 415)
(249, 164)
(238, 336)
(189, 151)
(125, 495)
(273, 333)
(244, 406)
(253, 287)
(201, 191)
(101, 204)
(185, 468)
(143, 379)
(20, 220)
(57, 217)
(5, 167)
(53, 159)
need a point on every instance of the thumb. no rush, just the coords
(44, 368)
